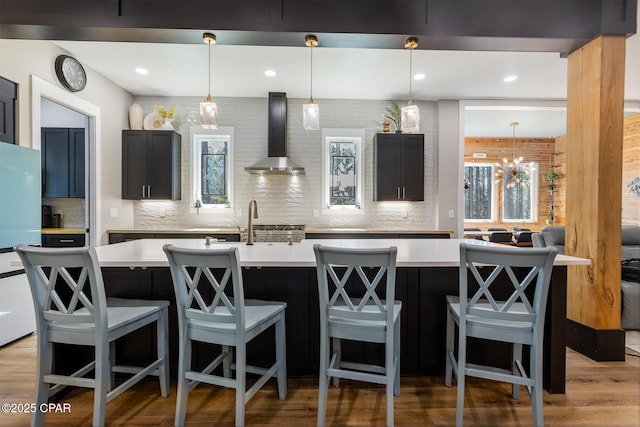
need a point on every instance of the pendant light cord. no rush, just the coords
(209, 93)
(410, 73)
(513, 143)
(311, 41)
(411, 43)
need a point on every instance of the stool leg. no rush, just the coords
(45, 361)
(226, 361)
(162, 330)
(460, 378)
(396, 356)
(281, 355)
(184, 365)
(516, 355)
(536, 390)
(390, 383)
(323, 379)
(337, 350)
(102, 380)
(241, 381)
(449, 348)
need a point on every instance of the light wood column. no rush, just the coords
(595, 104)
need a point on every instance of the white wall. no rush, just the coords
(451, 161)
(27, 58)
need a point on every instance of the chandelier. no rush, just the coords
(513, 172)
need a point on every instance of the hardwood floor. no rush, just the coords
(598, 394)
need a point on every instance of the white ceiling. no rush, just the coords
(347, 73)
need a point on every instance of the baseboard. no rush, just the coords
(601, 345)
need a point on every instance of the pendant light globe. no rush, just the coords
(410, 114)
(310, 110)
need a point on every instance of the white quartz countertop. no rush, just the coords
(411, 252)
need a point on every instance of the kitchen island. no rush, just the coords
(427, 271)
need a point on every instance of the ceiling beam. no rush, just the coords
(503, 25)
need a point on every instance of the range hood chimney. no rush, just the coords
(277, 163)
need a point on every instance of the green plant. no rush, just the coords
(394, 114)
(551, 177)
(165, 113)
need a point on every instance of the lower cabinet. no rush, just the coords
(63, 240)
(425, 235)
(125, 237)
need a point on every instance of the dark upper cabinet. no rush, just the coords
(63, 162)
(150, 165)
(399, 167)
(8, 96)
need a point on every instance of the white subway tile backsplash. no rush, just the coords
(289, 199)
(72, 211)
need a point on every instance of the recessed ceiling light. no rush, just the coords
(510, 78)
(269, 73)
(420, 76)
(142, 71)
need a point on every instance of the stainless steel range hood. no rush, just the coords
(277, 163)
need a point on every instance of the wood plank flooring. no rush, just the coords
(598, 394)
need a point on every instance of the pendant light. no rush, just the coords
(410, 115)
(514, 172)
(310, 110)
(209, 109)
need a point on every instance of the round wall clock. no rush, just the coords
(70, 73)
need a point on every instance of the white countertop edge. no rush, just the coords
(411, 252)
(152, 264)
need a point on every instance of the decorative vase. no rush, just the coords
(136, 116)
(167, 124)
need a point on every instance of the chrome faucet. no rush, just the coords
(253, 209)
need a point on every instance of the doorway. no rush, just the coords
(43, 92)
(65, 219)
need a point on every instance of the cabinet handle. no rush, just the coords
(397, 192)
(404, 189)
(66, 240)
(143, 196)
(149, 190)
